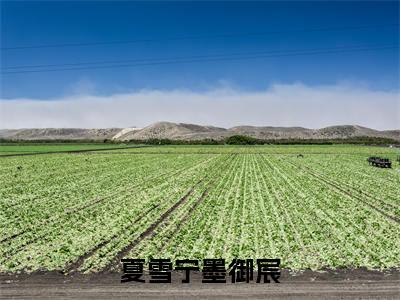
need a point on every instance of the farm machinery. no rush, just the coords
(379, 162)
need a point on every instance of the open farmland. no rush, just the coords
(8, 149)
(83, 212)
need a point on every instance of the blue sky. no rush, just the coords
(38, 23)
(48, 23)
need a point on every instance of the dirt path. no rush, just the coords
(342, 284)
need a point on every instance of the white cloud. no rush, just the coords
(280, 105)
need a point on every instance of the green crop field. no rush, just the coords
(83, 212)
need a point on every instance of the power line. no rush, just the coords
(228, 35)
(100, 62)
(216, 59)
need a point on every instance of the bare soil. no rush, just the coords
(327, 284)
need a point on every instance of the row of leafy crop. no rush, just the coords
(42, 174)
(18, 171)
(265, 207)
(366, 236)
(86, 173)
(255, 206)
(353, 172)
(57, 245)
(100, 182)
(64, 207)
(163, 235)
(235, 225)
(51, 168)
(105, 256)
(42, 199)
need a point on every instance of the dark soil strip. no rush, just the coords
(75, 266)
(86, 205)
(397, 220)
(355, 190)
(368, 195)
(73, 151)
(98, 200)
(389, 205)
(308, 285)
(47, 221)
(149, 230)
(8, 238)
(40, 237)
(43, 236)
(187, 215)
(352, 195)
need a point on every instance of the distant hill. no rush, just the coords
(58, 134)
(168, 130)
(182, 131)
